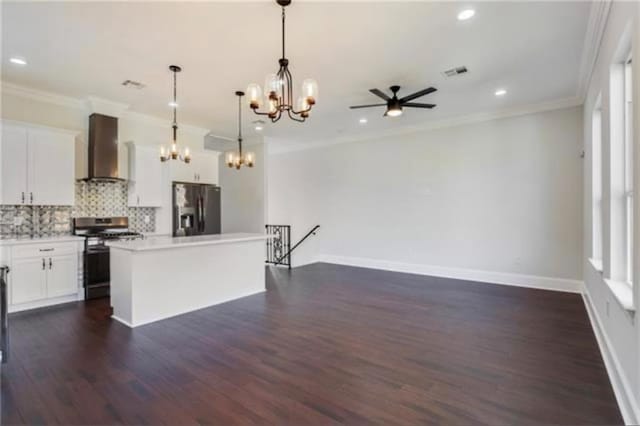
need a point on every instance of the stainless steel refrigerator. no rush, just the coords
(196, 209)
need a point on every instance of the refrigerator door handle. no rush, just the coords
(200, 214)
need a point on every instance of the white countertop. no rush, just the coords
(40, 240)
(168, 242)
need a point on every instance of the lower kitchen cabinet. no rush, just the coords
(42, 274)
(62, 276)
(28, 280)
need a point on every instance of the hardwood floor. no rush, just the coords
(325, 344)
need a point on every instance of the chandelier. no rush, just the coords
(238, 158)
(173, 153)
(278, 89)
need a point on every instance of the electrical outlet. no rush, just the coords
(147, 219)
(17, 221)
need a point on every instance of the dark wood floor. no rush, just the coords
(325, 344)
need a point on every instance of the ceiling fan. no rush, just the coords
(395, 105)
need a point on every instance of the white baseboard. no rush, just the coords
(45, 303)
(492, 277)
(621, 388)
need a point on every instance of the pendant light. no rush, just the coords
(278, 89)
(239, 158)
(174, 153)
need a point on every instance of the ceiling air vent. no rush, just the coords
(133, 84)
(455, 71)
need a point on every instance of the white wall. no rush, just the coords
(501, 196)
(618, 329)
(243, 194)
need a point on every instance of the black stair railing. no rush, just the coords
(279, 247)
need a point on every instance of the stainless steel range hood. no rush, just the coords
(103, 148)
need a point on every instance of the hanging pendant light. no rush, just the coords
(173, 153)
(278, 89)
(239, 158)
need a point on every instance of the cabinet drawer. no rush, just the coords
(43, 250)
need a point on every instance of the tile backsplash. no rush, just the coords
(93, 199)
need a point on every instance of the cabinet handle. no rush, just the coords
(31, 197)
(43, 264)
(50, 263)
(138, 200)
(22, 197)
(49, 249)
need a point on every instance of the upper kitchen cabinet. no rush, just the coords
(203, 168)
(38, 165)
(13, 160)
(145, 176)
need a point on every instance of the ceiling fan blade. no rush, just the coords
(417, 105)
(380, 93)
(366, 106)
(418, 94)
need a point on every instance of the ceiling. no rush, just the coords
(80, 49)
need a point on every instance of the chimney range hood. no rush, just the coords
(103, 148)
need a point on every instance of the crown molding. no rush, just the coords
(282, 146)
(41, 95)
(93, 104)
(105, 106)
(156, 121)
(596, 25)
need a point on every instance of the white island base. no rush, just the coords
(160, 277)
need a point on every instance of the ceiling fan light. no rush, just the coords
(394, 111)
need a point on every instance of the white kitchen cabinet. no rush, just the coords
(51, 168)
(38, 165)
(203, 168)
(145, 176)
(13, 161)
(62, 272)
(41, 273)
(28, 280)
(206, 168)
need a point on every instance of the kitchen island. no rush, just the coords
(159, 277)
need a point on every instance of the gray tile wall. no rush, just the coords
(93, 199)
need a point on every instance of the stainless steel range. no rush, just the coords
(96, 231)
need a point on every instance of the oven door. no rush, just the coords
(97, 274)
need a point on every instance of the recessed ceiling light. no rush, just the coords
(259, 128)
(501, 92)
(466, 14)
(173, 104)
(363, 121)
(18, 61)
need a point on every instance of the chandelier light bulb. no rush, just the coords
(310, 90)
(254, 95)
(271, 84)
(249, 159)
(230, 159)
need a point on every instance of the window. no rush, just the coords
(628, 169)
(596, 185)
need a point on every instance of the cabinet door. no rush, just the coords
(13, 165)
(62, 275)
(28, 280)
(182, 172)
(206, 167)
(146, 177)
(51, 168)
